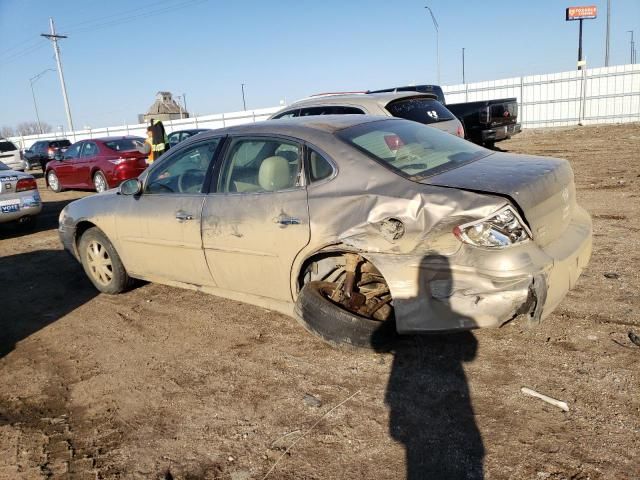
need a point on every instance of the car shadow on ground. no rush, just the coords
(46, 220)
(431, 412)
(38, 288)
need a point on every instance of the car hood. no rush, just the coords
(542, 188)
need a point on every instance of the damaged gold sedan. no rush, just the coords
(360, 227)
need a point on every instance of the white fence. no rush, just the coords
(597, 95)
(219, 120)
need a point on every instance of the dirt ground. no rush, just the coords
(166, 383)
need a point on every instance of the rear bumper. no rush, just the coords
(119, 175)
(30, 205)
(480, 288)
(500, 133)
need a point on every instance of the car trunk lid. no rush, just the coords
(8, 181)
(542, 188)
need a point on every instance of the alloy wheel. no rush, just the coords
(100, 183)
(53, 181)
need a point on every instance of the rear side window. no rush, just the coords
(6, 146)
(60, 144)
(319, 167)
(124, 144)
(422, 110)
(289, 114)
(330, 110)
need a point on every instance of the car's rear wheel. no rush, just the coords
(100, 182)
(53, 182)
(353, 308)
(102, 263)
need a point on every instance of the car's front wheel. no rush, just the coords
(102, 263)
(354, 308)
(100, 182)
(53, 182)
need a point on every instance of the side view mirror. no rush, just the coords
(58, 156)
(131, 187)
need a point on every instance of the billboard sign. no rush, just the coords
(582, 13)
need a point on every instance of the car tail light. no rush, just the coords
(485, 115)
(121, 160)
(26, 184)
(50, 152)
(394, 142)
(460, 131)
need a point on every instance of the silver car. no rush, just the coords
(419, 107)
(10, 155)
(358, 226)
(19, 197)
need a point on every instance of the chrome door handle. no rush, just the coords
(182, 216)
(285, 220)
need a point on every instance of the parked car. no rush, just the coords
(10, 155)
(19, 198)
(41, 152)
(348, 223)
(175, 138)
(97, 164)
(423, 108)
(485, 122)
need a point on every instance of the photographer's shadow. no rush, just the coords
(428, 395)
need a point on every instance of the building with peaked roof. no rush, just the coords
(164, 108)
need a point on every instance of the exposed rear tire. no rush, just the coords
(336, 325)
(102, 263)
(100, 182)
(53, 182)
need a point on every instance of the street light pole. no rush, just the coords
(463, 79)
(632, 56)
(606, 45)
(33, 80)
(244, 104)
(435, 24)
(56, 50)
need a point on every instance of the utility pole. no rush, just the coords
(33, 80)
(435, 24)
(54, 40)
(632, 56)
(184, 102)
(463, 79)
(606, 44)
(244, 104)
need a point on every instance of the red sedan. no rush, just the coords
(97, 164)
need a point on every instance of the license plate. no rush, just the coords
(9, 208)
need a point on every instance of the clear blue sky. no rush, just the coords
(121, 52)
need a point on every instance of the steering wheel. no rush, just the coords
(190, 181)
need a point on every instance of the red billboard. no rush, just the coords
(582, 13)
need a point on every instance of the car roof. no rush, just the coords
(363, 99)
(110, 139)
(300, 126)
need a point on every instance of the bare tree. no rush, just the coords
(6, 132)
(32, 128)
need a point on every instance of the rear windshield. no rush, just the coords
(3, 166)
(6, 146)
(124, 144)
(423, 110)
(59, 144)
(411, 149)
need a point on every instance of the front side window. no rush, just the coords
(183, 172)
(260, 165)
(423, 110)
(411, 149)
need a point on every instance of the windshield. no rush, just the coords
(6, 146)
(411, 149)
(124, 144)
